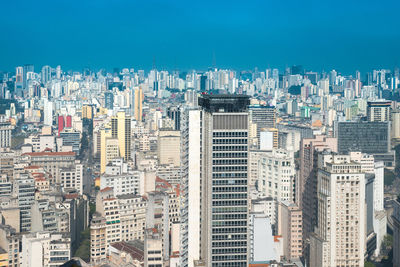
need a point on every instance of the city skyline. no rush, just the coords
(320, 36)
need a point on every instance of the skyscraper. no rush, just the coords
(121, 129)
(339, 238)
(215, 152)
(137, 103)
(46, 74)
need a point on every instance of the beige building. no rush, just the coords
(290, 227)
(98, 244)
(339, 238)
(121, 129)
(169, 145)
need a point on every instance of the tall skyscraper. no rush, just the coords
(19, 77)
(215, 157)
(46, 74)
(121, 129)
(307, 184)
(339, 238)
(137, 104)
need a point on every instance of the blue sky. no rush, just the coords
(320, 35)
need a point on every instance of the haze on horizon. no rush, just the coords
(320, 35)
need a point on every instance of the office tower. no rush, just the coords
(87, 112)
(5, 134)
(264, 117)
(306, 188)
(332, 77)
(379, 110)
(19, 77)
(276, 176)
(48, 113)
(396, 232)
(366, 137)
(339, 238)
(121, 129)
(137, 103)
(174, 113)
(215, 157)
(109, 100)
(46, 74)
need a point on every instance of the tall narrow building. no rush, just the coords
(339, 238)
(215, 159)
(121, 129)
(137, 104)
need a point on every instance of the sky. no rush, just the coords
(345, 35)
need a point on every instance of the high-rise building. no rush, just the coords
(366, 137)
(109, 100)
(215, 152)
(174, 113)
(121, 129)
(137, 103)
(306, 191)
(339, 238)
(277, 175)
(379, 110)
(46, 74)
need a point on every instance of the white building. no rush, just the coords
(277, 175)
(45, 249)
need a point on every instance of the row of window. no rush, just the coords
(230, 134)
